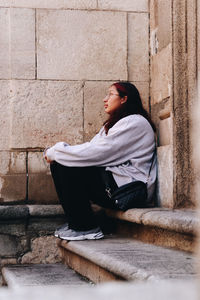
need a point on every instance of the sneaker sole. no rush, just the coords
(90, 236)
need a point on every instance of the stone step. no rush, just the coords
(160, 226)
(17, 276)
(115, 258)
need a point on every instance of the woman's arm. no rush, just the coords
(124, 139)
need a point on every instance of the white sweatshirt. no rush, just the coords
(126, 151)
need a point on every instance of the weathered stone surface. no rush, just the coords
(75, 51)
(45, 225)
(153, 6)
(58, 4)
(8, 245)
(165, 176)
(180, 221)
(37, 163)
(161, 74)
(164, 19)
(45, 210)
(41, 189)
(5, 70)
(22, 43)
(94, 115)
(43, 250)
(126, 5)
(12, 187)
(165, 132)
(13, 212)
(157, 236)
(17, 42)
(143, 88)
(41, 275)
(142, 261)
(183, 221)
(13, 228)
(138, 47)
(8, 261)
(132, 215)
(5, 113)
(53, 112)
(12, 162)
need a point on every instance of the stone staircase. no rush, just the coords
(42, 275)
(145, 244)
(140, 245)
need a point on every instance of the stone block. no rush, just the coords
(40, 226)
(143, 88)
(37, 163)
(12, 162)
(165, 132)
(5, 70)
(94, 115)
(46, 112)
(5, 114)
(41, 189)
(22, 24)
(138, 47)
(8, 261)
(72, 50)
(8, 245)
(153, 9)
(51, 4)
(43, 250)
(12, 188)
(10, 212)
(165, 176)
(161, 74)
(126, 5)
(164, 16)
(13, 228)
(45, 210)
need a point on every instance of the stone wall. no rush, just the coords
(57, 59)
(26, 234)
(161, 92)
(173, 73)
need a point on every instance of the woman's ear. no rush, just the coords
(124, 99)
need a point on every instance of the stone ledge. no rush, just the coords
(45, 210)
(9, 212)
(13, 212)
(128, 259)
(181, 221)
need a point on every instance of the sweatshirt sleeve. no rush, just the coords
(123, 139)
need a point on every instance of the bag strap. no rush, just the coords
(106, 177)
(106, 180)
(152, 160)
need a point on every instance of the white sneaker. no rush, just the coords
(60, 229)
(73, 235)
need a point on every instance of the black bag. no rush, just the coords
(133, 194)
(130, 195)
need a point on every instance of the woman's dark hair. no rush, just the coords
(133, 105)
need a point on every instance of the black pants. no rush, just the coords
(76, 188)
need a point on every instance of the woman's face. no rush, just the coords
(112, 101)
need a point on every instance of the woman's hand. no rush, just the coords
(45, 156)
(47, 160)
